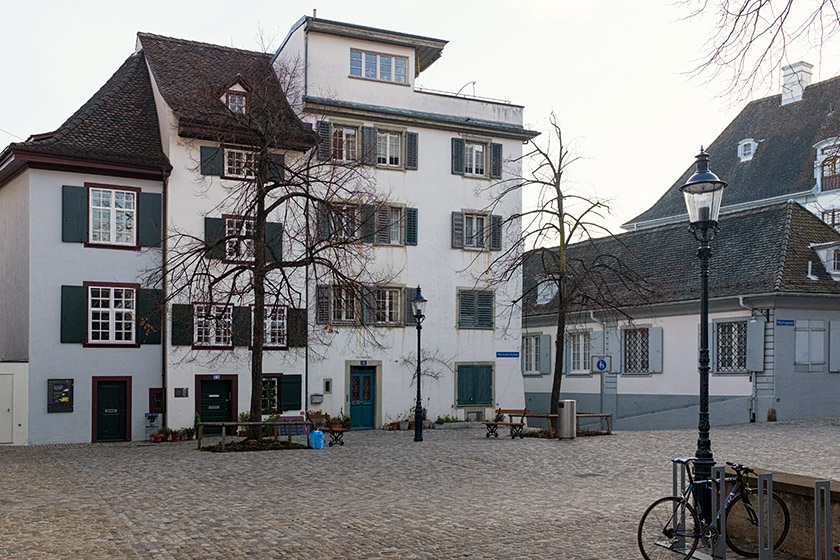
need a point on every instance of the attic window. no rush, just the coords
(829, 254)
(546, 291)
(827, 164)
(746, 149)
(236, 102)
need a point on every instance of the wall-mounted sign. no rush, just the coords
(507, 354)
(181, 392)
(217, 377)
(59, 395)
(601, 364)
(785, 322)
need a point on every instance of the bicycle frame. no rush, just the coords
(740, 487)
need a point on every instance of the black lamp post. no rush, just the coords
(703, 192)
(418, 305)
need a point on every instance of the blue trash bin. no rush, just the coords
(316, 439)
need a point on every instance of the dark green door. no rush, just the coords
(215, 404)
(362, 397)
(111, 410)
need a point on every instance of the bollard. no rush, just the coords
(718, 495)
(765, 517)
(822, 520)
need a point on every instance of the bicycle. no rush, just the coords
(671, 527)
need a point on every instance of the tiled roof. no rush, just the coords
(759, 251)
(783, 163)
(193, 78)
(117, 125)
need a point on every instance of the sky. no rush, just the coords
(616, 74)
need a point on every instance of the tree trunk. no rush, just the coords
(559, 349)
(258, 325)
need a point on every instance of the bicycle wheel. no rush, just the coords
(742, 533)
(669, 530)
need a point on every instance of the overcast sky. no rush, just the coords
(614, 72)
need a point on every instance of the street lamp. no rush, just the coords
(703, 192)
(418, 305)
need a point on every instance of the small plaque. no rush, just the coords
(181, 392)
(59, 395)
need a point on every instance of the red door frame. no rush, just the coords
(95, 396)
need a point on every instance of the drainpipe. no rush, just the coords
(753, 375)
(603, 351)
(164, 370)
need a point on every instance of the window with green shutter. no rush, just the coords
(475, 385)
(475, 309)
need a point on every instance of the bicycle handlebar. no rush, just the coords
(740, 469)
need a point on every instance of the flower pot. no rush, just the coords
(411, 425)
(403, 424)
(156, 438)
(395, 426)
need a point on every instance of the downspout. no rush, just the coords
(306, 297)
(164, 370)
(603, 352)
(753, 375)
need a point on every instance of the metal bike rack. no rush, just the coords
(822, 520)
(679, 485)
(718, 495)
(765, 517)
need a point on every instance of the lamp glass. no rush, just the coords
(703, 201)
(418, 304)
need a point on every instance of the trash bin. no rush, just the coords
(316, 439)
(566, 419)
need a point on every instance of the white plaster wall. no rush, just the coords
(53, 264)
(14, 268)
(20, 399)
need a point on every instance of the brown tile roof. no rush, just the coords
(193, 78)
(117, 125)
(783, 163)
(764, 250)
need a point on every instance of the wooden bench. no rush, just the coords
(320, 420)
(515, 427)
(607, 417)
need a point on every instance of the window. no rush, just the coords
(389, 221)
(388, 148)
(113, 216)
(831, 173)
(475, 385)
(378, 66)
(213, 325)
(382, 224)
(746, 149)
(475, 309)
(472, 230)
(810, 344)
(275, 326)
(579, 345)
(546, 291)
(835, 260)
(343, 304)
(239, 164)
(531, 354)
(236, 102)
(832, 218)
(636, 353)
(475, 234)
(388, 306)
(344, 143)
(281, 393)
(239, 238)
(111, 315)
(474, 161)
(731, 347)
(270, 395)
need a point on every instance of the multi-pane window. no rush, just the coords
(239, 238)
(388, 306)
(113, 215)
(388, 148)
(378, 66)
(531, 353)
(239, 163)
(111, 315)
(343, 308)
(732, 347)
(810, 343)
(832, 218)
(275, 325)
(213, 324)
(344, 140)
(579, 352)
(475, 232)
(474, 162)
(389, 221)
(636, 359)
(835, 260)
(236, 102)
(831, 173)
(270, 395)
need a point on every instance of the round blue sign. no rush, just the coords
(601, 365)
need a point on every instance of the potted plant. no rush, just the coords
(158, 436)
(187, 433)
(244, 417)
(343, 420)
(166, 431)
(196, 422)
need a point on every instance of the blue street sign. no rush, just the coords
(785, 322)
(363, 362)
(507, 354)
(217, 377)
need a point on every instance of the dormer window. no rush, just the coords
(382, 67)
(827, 164)
(236, 102)
(829, 254)
(746, 149)
(831, 173)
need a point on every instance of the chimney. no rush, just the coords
(795, 78)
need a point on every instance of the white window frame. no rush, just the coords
(344, 307)
(832, 217)
(810, 343)
(580, 344)
(112, 315)
(473, 239)
(737, 362)
(276, 380)
(388, 148)
(239, 242)
(475, 165)
(276, 322)
(835, 260)
(112, 221)
(348, 137)
(389, 306)
(381, 67)
(547, 291)
(531, 354)
(395, 225)
(239, 164)
(237, 102)
(641, 363)
(212, 325)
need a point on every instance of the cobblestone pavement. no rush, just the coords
(456, 495)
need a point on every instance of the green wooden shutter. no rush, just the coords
(73, 214)
(273, 242)
(324, 219)
(241, 326)
(383, 224)
(368, 145)
(290, 392)
(276, 171)
(411, 150)
(73, 314)
(457, 230)
(182, 324)
(408, 295)
(368, 305)
(150, 312)
(458, 153)
(466, 308)
(322, 304)
(212, 160)
(466, 385)
(483, 383)
(495, 233)
(655, 350)
(368, 225)
(411, 226)
(150, 218)
(297, 328)
(496, 161)
(484, 310)
(545, 353)
(214, 235)
(324, 129)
